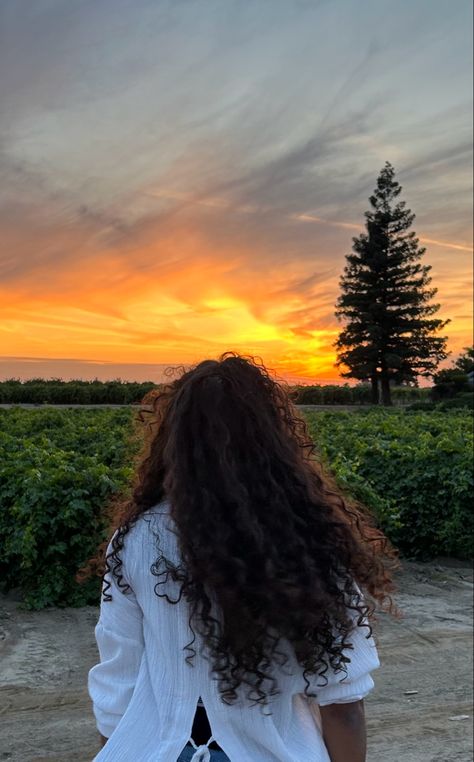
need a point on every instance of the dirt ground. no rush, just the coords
(419, 711)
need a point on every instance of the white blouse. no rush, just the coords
(144, 694)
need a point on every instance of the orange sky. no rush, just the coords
(177, 185)
(172, 296)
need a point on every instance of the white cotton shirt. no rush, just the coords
(144, 693)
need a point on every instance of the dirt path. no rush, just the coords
(45, 709)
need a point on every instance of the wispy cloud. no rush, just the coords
(180, 178)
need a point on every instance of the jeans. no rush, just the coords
(216, 755)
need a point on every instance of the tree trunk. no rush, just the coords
(375, 389)
(386, 391)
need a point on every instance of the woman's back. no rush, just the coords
(145, 693)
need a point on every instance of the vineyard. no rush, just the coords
(60, 468)
(56, 391)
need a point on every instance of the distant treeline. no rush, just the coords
(332, 394)
(56, 391)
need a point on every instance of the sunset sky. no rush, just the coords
(184, 177)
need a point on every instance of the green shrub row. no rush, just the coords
(361, 394)
(413, 469)
(449, 383)
(59, 468)
(38, 391)
(464, 400)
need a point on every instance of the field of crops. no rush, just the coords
(58, 392)
(413, 469)
(58, 468)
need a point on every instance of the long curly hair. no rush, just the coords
(228, 449)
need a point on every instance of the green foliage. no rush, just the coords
(465, 361)
(449, 383)
(352, 395)
(415, 468)
(125, 393)
(57, 470)
(465, 400)
(460, 401)
(455, 382)
(422, 405)
(56, 391)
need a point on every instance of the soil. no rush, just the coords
(419, 711)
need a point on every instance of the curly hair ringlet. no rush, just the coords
(262, 528)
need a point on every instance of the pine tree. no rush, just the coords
(389, 333)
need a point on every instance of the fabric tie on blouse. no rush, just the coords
(202, 753)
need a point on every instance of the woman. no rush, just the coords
(239, 585)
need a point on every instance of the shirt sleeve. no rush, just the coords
(119, 637)
(344, 687)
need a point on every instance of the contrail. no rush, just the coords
(299, 217)
(353, 226)
(458, 246)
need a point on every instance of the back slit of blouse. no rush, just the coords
(201, 731)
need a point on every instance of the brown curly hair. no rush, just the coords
(290, 555)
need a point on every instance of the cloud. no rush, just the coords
(182, 176)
